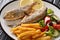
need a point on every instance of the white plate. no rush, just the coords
(14, 5)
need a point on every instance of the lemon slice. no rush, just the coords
(38, 5)
(25, 2)
(38, 1)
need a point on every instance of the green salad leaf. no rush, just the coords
(51, 29)
(52, 32)
(41, 22)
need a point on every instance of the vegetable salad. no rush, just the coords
(50, 23)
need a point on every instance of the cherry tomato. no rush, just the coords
(56, 26)
(44, 28)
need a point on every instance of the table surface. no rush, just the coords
(3, 35)
(4, 2)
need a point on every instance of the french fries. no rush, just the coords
(35, 36)
(14, 29)
(29, 32)
(34, 25)
(38, 35)
(27, 39)
(28, 29)
(26, 33)
(44, 38)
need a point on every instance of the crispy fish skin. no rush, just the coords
(28, 9)
(32, 17)
(39, 14)
(14, 15)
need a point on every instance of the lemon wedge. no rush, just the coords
(38, 5)
(25, 2)
(38, 1)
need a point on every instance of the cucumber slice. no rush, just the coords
(55, 17)
(56, 33)
(50, 12)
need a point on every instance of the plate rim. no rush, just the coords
(0, 14)
(12, 2)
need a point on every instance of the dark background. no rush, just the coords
(4, 36)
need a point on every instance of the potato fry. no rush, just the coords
(17, 35)
(42, 33)
(35, 36)
(44, 38)
(28, 33)
(34, 25)
(14, 29)
(17, 31)
(26, 37)
(38, 38)
(33, 39)
(39, 31)
(28, 29)
(38, 35)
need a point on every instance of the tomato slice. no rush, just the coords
(44, 28)
(56, 26)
